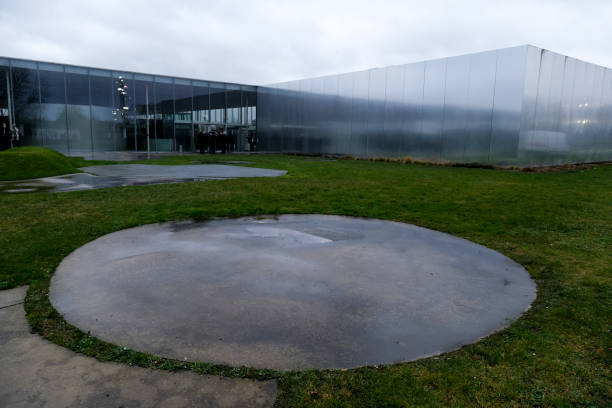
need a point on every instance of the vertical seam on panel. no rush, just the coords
(154, 114)
(493, 107)
(422, 113)
(443, 109)
(66, 110)
(572, 110)
(608, 138)
(520, 128)
(384, 128)
(173, 112)
(537, 89)
(10, 97)
(9, 93)
(91, 135)
(193, 147)
(468, 107)
(560, 106)
(350, 145)
(336, 114)
(595, 115)
(601, 96)
(40, 105)
(367, 116)
(402, 131)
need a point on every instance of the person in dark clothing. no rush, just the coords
(15, 136)
(235, 141)
(223, 140)
(5, 137)
(212, 141)
(252, 140)
(198, 142)
(202, 142)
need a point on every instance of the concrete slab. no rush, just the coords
(293, 292)
(132, 175)
(37, 373)
(13, 296)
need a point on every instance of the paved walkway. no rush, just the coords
(37, 373)
(118, 175)
(289, 292)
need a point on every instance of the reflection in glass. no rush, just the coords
(124, 119)
(26, 106)
(217, 103)
(144, 109)
(79, 113)
(201, 105)
(103, 120)
(53, 110)
(164, 116)
(183, 128)
(78, 110)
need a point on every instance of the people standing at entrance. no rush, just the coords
(5, 137)
(15, 136)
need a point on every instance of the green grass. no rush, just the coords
(23, 163)
(558, 225)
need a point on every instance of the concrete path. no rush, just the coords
(37, 373)
(293, 292)
(118, 175)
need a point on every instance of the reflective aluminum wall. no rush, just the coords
(567, 110)
(519, 105)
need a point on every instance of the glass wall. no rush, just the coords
(125, 127)
(82, 111)
(217, 103)
(164, 115)
(234, 104)
(183, 106)
(145, 111)
(201, 106)
(25, 94)
(78, 110)
(54, 121)
(5, 121)
(103, 120)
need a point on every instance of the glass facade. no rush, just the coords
(81, 111)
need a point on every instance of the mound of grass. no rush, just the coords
(24, 163)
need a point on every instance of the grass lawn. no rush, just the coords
(557, 224)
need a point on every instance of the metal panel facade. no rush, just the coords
(566, 113)
(515, 106)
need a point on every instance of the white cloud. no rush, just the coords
(271, 41)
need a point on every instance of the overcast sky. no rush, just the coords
(261, 42)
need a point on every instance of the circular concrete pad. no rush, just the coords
(293, 292)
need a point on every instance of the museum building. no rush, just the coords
(515, 106)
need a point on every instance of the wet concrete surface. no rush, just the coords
(293, 292)
(37, 373)
(133, 175)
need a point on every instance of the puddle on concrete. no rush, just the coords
(133, 175)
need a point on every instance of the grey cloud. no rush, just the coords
(270, 41)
